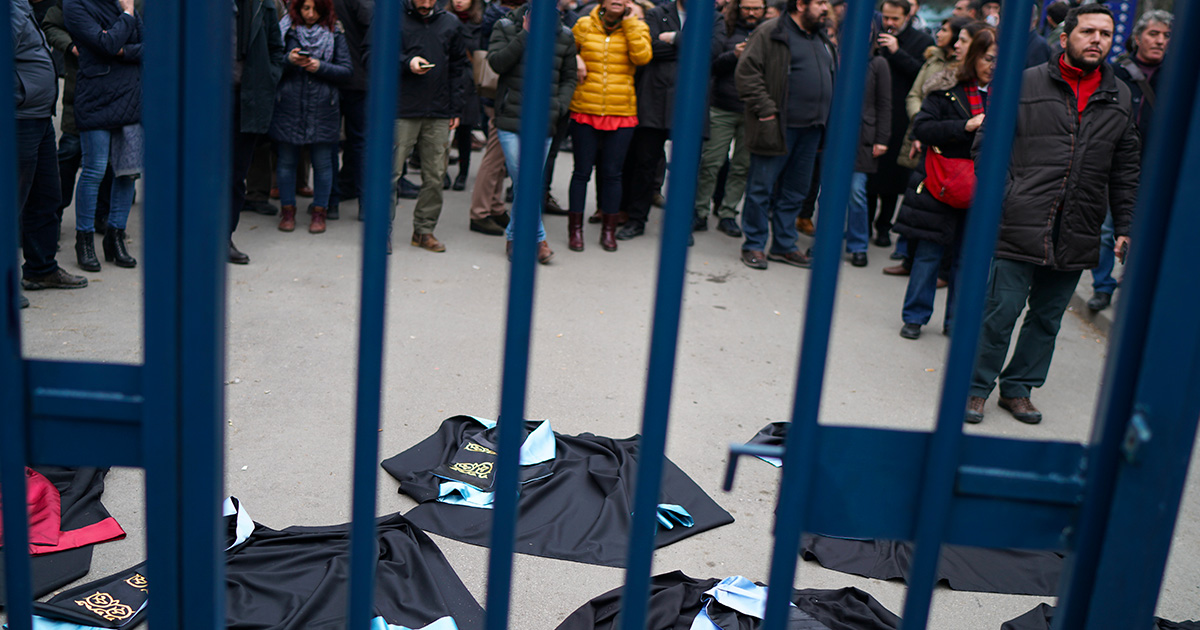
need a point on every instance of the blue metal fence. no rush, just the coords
(932, 488)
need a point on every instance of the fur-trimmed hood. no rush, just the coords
(944, 80)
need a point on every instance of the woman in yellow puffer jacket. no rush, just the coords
(612, 42)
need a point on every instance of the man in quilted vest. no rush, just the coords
(1075, 153)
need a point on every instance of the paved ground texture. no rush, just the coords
(292, 338)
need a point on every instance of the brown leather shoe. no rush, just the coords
(608, 233)
(575, 231)
(806, 226)
(287, 218)
(753, 259)
(795, 259)
(596, 217)
(941, 284)
(317, 225)
(1022, 409)
(544, 253)
(974, 414)
(427, 241)
(898, 270)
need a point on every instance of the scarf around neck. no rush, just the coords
(315, 39)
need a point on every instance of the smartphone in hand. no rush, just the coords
(303, 53)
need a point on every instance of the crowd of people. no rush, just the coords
(299, 72)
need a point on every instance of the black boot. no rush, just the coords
(85, 251)
(114, 249)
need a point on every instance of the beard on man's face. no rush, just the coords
(1075, 58)
(812, 22)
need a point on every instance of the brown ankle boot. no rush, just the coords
(608, 233)
(318, 220)
(575, 231)
(287, 218)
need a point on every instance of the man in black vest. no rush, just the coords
(1075, 154)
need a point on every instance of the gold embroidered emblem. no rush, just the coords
(139, 582)
(471, 446)
(106, 606)
(481, 470)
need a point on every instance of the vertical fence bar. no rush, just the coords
(535, 119)
(187, 120)
(13, 429)
(203, 241)
(983, 221)
(161, 270)
(686, 139)
(1165, 152)
(1150, 484)
(378, 195)
(800, 455)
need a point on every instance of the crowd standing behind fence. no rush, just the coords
(299, 79)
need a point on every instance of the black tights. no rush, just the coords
(462, 140)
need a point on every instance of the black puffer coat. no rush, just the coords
(1067, 170)
(308, 104)
(506, 55)
(655, 81)
(941, 123)
(108, 87)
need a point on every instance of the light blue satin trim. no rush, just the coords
(671, 515)
(41, 623)
(774, 461)
(245, 524)
(734, 592)
(459, 493)
(445, 623)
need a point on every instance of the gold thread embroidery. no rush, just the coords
(139, 582)
(471, 446)
(106, 606)
(481, 470)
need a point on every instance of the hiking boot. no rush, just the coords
(57, 279)
(1022, 409)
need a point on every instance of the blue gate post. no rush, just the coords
(983, 222)
(535, 119)
(13, 429)
(187, 113)
(690, 113)
(799, 461)
(1153, 223)
(379, 194)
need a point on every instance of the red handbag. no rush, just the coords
(950, 180)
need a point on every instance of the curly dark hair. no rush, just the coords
(325, 14)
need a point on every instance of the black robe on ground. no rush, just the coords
(1040, 618)
(675, 600)
(580, 511)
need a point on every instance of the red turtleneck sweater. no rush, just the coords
(1083, 84)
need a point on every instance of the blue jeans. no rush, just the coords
(37, 195)
(922, 283)
(322, 163)
(793, 171)
(858, 228)
(95, 146)
(511, 144)
(1102, 278)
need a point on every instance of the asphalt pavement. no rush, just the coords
(290, 383)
